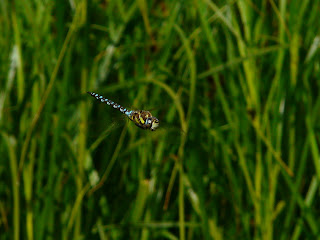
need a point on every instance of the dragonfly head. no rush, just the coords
(154, 123)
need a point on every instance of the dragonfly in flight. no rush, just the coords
(141, 118)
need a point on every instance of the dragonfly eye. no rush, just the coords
(154, 124)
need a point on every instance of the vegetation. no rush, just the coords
(234, 84)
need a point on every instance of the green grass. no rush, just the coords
(234, 84)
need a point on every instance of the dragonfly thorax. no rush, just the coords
(144, 119)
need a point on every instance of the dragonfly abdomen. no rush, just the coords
(111, 103)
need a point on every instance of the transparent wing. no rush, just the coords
(104, 120)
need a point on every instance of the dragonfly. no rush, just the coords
(141, 118)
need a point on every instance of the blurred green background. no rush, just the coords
(234, 84)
